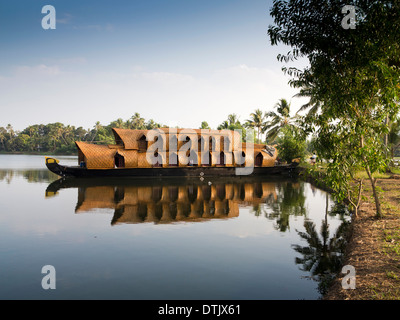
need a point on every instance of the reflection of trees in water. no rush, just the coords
(6, 175)
(290, 200)
(322, 256)
(29, 175)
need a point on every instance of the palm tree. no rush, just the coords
(137, 122)
(96, 128)
(10, 131)
(223, 125)
(257, 121)
(278, 119)
(233, 118)
(3, 133)
(119, 123)
(313, 105)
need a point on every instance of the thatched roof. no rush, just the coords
(96, 156)
(138, 148)
(129, 138)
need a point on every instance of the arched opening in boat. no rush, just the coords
(81, 158)
(259, 160)
(118, 139)
(212, 143)
(119, 161)
(222, 159)
(188, 142)
(142, 143)
(157, 160)
(241, 162)
(200, 144)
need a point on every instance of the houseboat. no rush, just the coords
(172, 152)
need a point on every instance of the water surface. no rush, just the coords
(163, 239)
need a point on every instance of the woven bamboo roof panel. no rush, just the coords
(97, 156)
(142, 160)
(130, 157)
(268, 161)
(129, 137)
(168, 135)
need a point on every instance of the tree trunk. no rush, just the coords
(373, 182)
(376, 197)
(356, 204)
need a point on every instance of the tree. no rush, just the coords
(233, 119)
(3, 135)
(291, 144)
(354, 74)
(256, 121)
(137, 122)
(394, 136)
(204, 125)
(233, 123)
(151, 124)
(278, 120)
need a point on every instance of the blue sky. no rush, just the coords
(179, 62)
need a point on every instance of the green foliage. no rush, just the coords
(353, 80)
(291, 144)
(204, 125)
(58, 138)
(257, 122)
(233, 123)
(278, 120)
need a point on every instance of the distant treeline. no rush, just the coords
(58, 138)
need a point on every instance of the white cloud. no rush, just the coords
(65, 19)
(35, 71)
(50, 94)
(96, 27)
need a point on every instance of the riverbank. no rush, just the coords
(373, 247)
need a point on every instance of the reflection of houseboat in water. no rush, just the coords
(172, 152)
(167, 202)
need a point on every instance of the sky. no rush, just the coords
(178, 62)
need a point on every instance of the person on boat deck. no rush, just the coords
(83, 164)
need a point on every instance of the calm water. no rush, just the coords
(163, 239)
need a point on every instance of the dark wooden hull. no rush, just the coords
(75, 171)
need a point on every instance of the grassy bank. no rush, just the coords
(374, 244)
